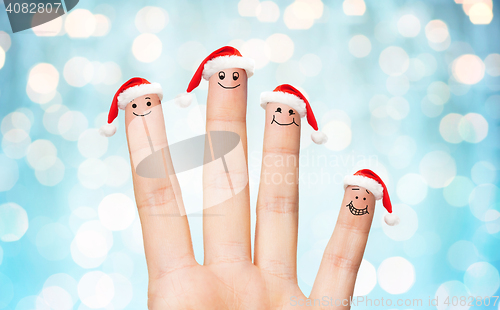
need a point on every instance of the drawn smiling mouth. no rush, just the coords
(293, 122)
(142, 114)
(228, 87)
(355, 211)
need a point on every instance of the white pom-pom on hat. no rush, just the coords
(319, 137)
(184, 100)
(107, 130)
(391, 219)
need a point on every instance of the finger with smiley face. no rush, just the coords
(167, 239)
(145, 127)
(344, 252)
(277, 204)
(228, 65)
(346, 247)
(278, 201)
(227, 73)
(292, 106)
(226, 111)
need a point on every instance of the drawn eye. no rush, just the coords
(236, 75)
(278, 110)
(364, 198)
(356, 197)
(134, 105)
(148, 103)
(291, 112)
(222, 75)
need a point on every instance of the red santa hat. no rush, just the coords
(372, 182)
(133, 88)
(226, 57)
(292, 97)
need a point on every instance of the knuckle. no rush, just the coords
(279, 269)
(278, 151)
(278, 204)
(157, 197)
(230, 252)
(342, 261)
(352, 228)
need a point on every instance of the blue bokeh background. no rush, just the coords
(410, 89)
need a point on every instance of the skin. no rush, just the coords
(229, 277)
(278, 206)
(345, 249)
(143, 120)
(283, 115)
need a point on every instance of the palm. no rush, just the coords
(226, 286)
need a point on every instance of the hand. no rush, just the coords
(229, 278)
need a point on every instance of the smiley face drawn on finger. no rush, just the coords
(279, 111)
(228, 79)
(142, 106)
(361, 200)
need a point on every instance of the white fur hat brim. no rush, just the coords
(227, 62)
(290, 100)
(137, 91)
(370, 184)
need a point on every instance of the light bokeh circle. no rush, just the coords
(468, 69)
(482, 279)
(366, 279)
(409, 25)
(462, 254)
(483, 172)
(396, 275)
(92, 144)
(483, 198)
(448, 128)
(13, 222)
(9, 170)
(360, 46)
(117, 212)
(458, 191)
(438, 169)
(408, 223)
(412, 188)
(394, 61)
(147, 47)
(339, 135)
(96, 289)
(452, 290)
